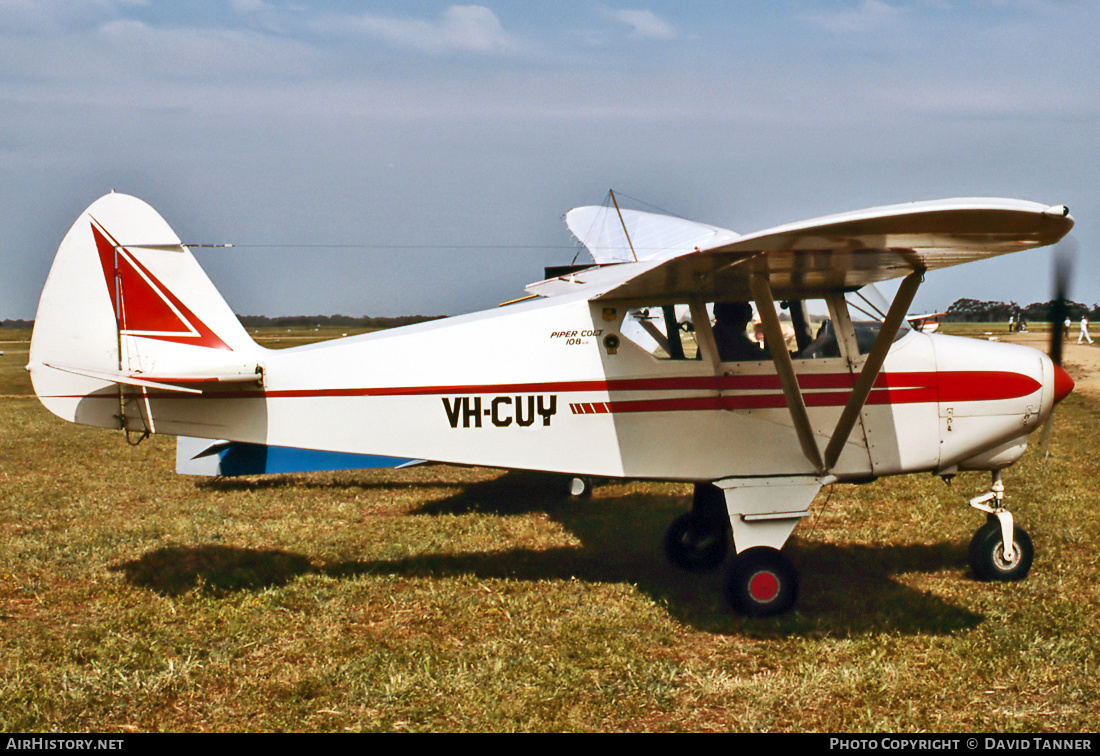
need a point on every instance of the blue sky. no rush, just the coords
(441, 143)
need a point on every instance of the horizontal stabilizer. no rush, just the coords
(194, 384)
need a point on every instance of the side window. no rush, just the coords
(665, 331)
(806, 325)
(814, 336)
(668, 331)
(738, 335)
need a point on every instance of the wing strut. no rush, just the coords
(784, 366)
(871, 367)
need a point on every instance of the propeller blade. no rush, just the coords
(1064, 254)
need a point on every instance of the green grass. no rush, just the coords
(282, 338)
(440, 598)
(15, 343)
(1000, 328)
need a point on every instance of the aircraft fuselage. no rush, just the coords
(552, 385)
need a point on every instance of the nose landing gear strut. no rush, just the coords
(999, 549)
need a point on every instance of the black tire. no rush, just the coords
(694, 548)
(986, 553)
(761, 582)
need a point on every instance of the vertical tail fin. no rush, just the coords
(126, 304)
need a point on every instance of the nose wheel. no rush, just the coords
(989, 558)
(1000, 550)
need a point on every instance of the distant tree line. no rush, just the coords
(961, 311)
(297, 321)
(974, 311)
(343, 321)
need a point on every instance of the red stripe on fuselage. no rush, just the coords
(727, 392)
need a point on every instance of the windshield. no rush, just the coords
(867, 308)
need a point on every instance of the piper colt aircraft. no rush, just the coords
(130, 334)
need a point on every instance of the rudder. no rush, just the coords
(125, 303)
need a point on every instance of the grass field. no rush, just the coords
(453, 599)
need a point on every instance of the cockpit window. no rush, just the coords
(814, 338)
(665, 331)
(668, 331)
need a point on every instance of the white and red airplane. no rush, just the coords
(130, 334)
(927, 322)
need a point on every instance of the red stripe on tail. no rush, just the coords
(143, 306)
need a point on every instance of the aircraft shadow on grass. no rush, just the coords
(845, 589)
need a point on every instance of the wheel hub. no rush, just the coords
(1003, 562)
(764, 586)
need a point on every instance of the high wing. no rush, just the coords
(810, 258)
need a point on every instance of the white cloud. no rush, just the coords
(643, 23)
(464, 28)
(248, 6)
(55, 16)
(212, 54)
(872, 14)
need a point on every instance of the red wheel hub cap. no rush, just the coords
(764, 586)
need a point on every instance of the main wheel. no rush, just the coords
(696, 546)
(761, 582)
(987, 553)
